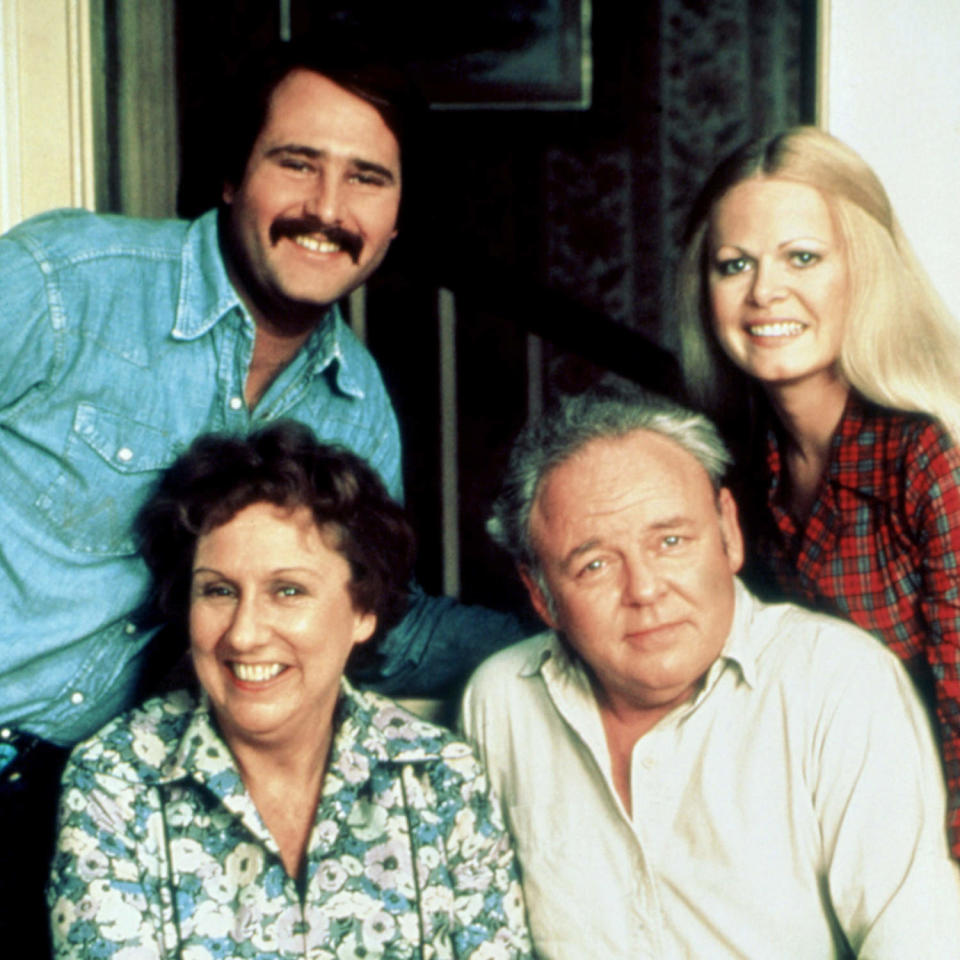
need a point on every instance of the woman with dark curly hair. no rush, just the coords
(281, 812)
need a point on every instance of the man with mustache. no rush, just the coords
(123, 340)
(687, 771)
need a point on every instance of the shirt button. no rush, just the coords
(125, 454)
(6, 733)
(647, 763)
(236, 403)
(76, 698)
(129, 628)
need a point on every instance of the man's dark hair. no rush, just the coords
(360, 70)
(219, 476)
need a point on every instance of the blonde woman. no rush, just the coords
(811, 333)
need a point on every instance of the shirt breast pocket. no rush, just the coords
(109, 466)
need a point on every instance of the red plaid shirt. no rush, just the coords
(881, 547)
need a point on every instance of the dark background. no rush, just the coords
(562, 222)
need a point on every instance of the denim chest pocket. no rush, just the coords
(110, 464)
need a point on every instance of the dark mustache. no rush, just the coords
(351, 243)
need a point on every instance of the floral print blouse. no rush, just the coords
(161, 852)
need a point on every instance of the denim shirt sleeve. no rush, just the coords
(438, 644)
(28, 326)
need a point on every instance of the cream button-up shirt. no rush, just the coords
(793, 809)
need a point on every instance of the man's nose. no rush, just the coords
(768, 284)
(643, 583)
(326, 199)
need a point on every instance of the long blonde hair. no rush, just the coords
(901, 348)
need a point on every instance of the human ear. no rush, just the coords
(537, 598)
(364, 626)
(730, 529)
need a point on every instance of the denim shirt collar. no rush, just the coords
(334, 341)
(207, 296)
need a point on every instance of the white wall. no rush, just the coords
(890, 87)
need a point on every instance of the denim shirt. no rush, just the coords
(122, 340)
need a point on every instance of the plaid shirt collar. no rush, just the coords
(854, 463)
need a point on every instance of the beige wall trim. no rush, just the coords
(79, 71)
(449, 474)
(10, 200)
(47, 117)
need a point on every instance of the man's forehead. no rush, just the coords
(610, 476)
(303, 87)
(317, 79)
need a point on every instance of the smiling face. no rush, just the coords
(317, 207)
(639, 557)
(778, 281)
(272, 624)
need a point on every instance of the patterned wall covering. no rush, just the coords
(591, 241)
(593, 202)
(730, 70)
(689, 81)
(587, 203)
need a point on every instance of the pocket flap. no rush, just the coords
(126, 444)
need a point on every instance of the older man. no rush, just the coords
(689, 772)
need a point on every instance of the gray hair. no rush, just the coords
(570, 425)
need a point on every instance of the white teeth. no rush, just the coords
(317, 245)
(255, 672)
(789, 328)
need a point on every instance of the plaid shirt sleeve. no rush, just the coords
(881, 547)
(932, 502)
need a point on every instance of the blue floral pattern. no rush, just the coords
(162, 853)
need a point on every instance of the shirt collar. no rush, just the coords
(551, 648)
(370, 729)
(333, 341)
(853, 462)
(373, 724)
(202, 755)
(738, 649)
(207, 296)
(855, 458)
